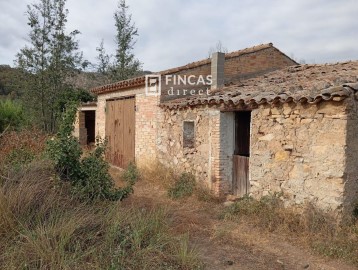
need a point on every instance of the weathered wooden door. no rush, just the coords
(120, 131)
(241, 155)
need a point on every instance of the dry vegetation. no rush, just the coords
(308, 227)
(44, 226)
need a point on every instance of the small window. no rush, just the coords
(188, 134)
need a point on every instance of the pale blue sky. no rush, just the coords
(173, 32)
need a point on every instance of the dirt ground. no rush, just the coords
(225, 244)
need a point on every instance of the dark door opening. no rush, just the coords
(241, 153)
(90, 125)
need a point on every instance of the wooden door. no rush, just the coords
(241, 155)
(241, 175)
(120, 131)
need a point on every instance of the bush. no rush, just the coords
(11, 115)
(89, 176)
(183, 187)
(19, 148)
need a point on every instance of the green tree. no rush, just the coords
(125, 65)
(52, 57)
(103, 60)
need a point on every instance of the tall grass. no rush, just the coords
(42, 226)
(313, 227)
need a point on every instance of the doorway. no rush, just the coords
(241, 155)
(90, 125)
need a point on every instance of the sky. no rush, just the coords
(174, 32)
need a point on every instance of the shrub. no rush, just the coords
(182, 187)
(19, 148)
(89, 176)
(11, 115)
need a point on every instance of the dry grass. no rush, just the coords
(158, 174)
(309, 226)
(42, 226)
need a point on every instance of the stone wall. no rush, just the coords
(300, 150)
(200, 159)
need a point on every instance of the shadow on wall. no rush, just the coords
(350, 195)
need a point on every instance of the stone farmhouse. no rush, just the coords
(266, 125)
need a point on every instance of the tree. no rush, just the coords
(52, 57)
(103, 59)
(125, 65)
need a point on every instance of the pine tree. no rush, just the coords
(103, 60)
(52, 57)
(125, 65)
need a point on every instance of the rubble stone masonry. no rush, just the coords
(300, 150)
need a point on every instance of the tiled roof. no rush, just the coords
(140, 81)
(301, 83)
(134, 82)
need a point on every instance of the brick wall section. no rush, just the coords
(238, 67)
(254, 64)
(147, 117)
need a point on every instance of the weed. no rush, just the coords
(183, 187)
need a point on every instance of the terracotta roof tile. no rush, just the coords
(301, 83)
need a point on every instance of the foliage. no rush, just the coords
(183, 187)
(20, 148)
(12, 81)
(131, 174)
(42, 226)
(71, 95)
(125, 65)
(89, 176)
(51, 58)
(11, 114)
(103, 59)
